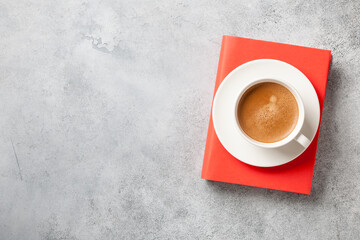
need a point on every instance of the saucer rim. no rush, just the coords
(304, 78)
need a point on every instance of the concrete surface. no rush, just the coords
(104, 113)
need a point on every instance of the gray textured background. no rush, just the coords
(107, 105)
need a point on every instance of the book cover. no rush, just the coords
(295, 176)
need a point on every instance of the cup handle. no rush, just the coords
(304, 141)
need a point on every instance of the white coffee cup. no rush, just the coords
(295, 135)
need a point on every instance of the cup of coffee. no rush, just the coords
(270, 114)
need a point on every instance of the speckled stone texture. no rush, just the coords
(105, 106)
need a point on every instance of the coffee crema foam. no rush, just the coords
(268, 112)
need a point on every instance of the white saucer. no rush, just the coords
(225, 124)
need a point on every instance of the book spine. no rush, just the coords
(211, 132)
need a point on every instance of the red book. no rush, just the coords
(295, 176)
